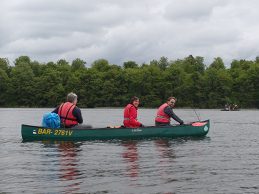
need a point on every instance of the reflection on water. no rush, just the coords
(166, 156)
(68, 162)
(226, 161)
(131, 156)
(164, 147)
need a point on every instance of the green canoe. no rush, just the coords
(197, 129)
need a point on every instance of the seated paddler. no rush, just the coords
(165, 112)
(131, 114)
(68, 112)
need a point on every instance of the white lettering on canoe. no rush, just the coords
(136, 130)
(34, 132)
(206, 128)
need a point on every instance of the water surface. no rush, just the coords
(225, 161)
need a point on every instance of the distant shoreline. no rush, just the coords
(138, 108)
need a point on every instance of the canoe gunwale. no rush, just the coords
(112, 128)
(30, 132)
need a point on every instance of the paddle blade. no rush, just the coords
(198, 124)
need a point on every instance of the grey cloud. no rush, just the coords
(134, 30)
(189, 10)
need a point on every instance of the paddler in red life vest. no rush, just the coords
(69, 113)
(165, 112)
(130, 114)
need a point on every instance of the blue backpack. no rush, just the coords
(51, 120)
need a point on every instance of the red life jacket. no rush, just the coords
(161, 116)
(130, 118)
(65, 112)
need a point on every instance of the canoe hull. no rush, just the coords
(43, 133)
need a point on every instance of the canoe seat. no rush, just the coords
(82, 126)
(122, 126)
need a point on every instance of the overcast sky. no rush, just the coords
(129, 30)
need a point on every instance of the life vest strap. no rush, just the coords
(127, 119)
(68, 118)
(163, 117)
(66, 114)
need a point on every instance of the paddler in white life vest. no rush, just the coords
(165, 112)
(68, 112)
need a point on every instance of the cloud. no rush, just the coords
(121, 31)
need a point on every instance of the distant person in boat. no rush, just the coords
(226, 106)
(69, 113)
(165, 112)
(130, 114)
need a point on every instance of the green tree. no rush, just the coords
(65, 69)
(101, 65)
(94, 84)
(199, 65)
(130, 64)
(62, 62)
(253, 76)
(245, 65)
(245, 92)
(191, 64)
(114, 86)
(51, 65)
(5, 65)
(30, 83)
(217, 88)
(218, 63)
(22, 59)
(192, 90)
(78, 83)
(4, 88)
(49, 91)
(22, 81)
(37, 68)
(163, 63)
(77, 64)
(145, 84)
(154, 63)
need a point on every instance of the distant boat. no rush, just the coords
(230, 108)
(196, 129)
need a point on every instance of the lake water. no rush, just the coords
(225, 161)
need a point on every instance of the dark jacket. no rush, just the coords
(169, 111)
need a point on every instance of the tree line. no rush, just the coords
(32, 84)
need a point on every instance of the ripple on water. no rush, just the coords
(226, 161)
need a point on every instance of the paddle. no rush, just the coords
(198, 124)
